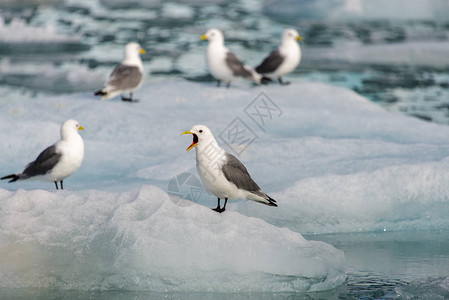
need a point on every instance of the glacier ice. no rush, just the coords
(336, 161)
(140, 240)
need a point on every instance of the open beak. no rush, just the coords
(195, 140)
(203, 37)
(80, 127)
(142, 51)
(299, 38)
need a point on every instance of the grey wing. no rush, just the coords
(235, 172)
(125, 77)
(46, 161)
(236, 66)
(270, 63)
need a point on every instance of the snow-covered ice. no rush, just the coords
(140, 240)
(333, 160)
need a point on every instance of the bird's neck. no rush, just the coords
(209, 153)
(216, 44)
(70, 137)
(132, 60)
(290, 44)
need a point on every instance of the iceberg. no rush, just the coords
(140, 240)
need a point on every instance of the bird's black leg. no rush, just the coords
(224, 206)
(218, 83)
(282, 82)
(130, 99)
(56, 184)
(61, 186)
(228, 84)
(218, 205)
(218, 209)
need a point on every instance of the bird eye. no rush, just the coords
(201, 131)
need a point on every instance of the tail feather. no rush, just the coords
(265, 79)
(253, 75)
(13, 177)
(99, 93)
(271, 201)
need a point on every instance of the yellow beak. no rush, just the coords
(299, 38)
(142, 51)
(194, 143)
(80, 128)
(203, 37)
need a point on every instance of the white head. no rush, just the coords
(69, 128)
(214, 36)
(291, 34)
(132, 51)
(202, 137)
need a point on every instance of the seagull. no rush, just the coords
(284, 59)
(58, 161)
(222, 173)
(126, 77)
(223, 64)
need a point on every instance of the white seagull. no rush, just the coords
(58, 161)
(222, 173)
(223, 64)
(126, 77)
(284, 59)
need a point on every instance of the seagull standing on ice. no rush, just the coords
(58, 161)
(223, 64)
(126, 77)
(222, 173)
(284, 59)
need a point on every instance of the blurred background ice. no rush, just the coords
(393, 52)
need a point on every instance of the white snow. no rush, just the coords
(333, 160)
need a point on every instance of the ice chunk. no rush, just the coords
(19, 37)
(334, 161)
(337, 10)
(41, 76)
(420, 54)
(18, 31)
(140, 240)
(437, 288)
